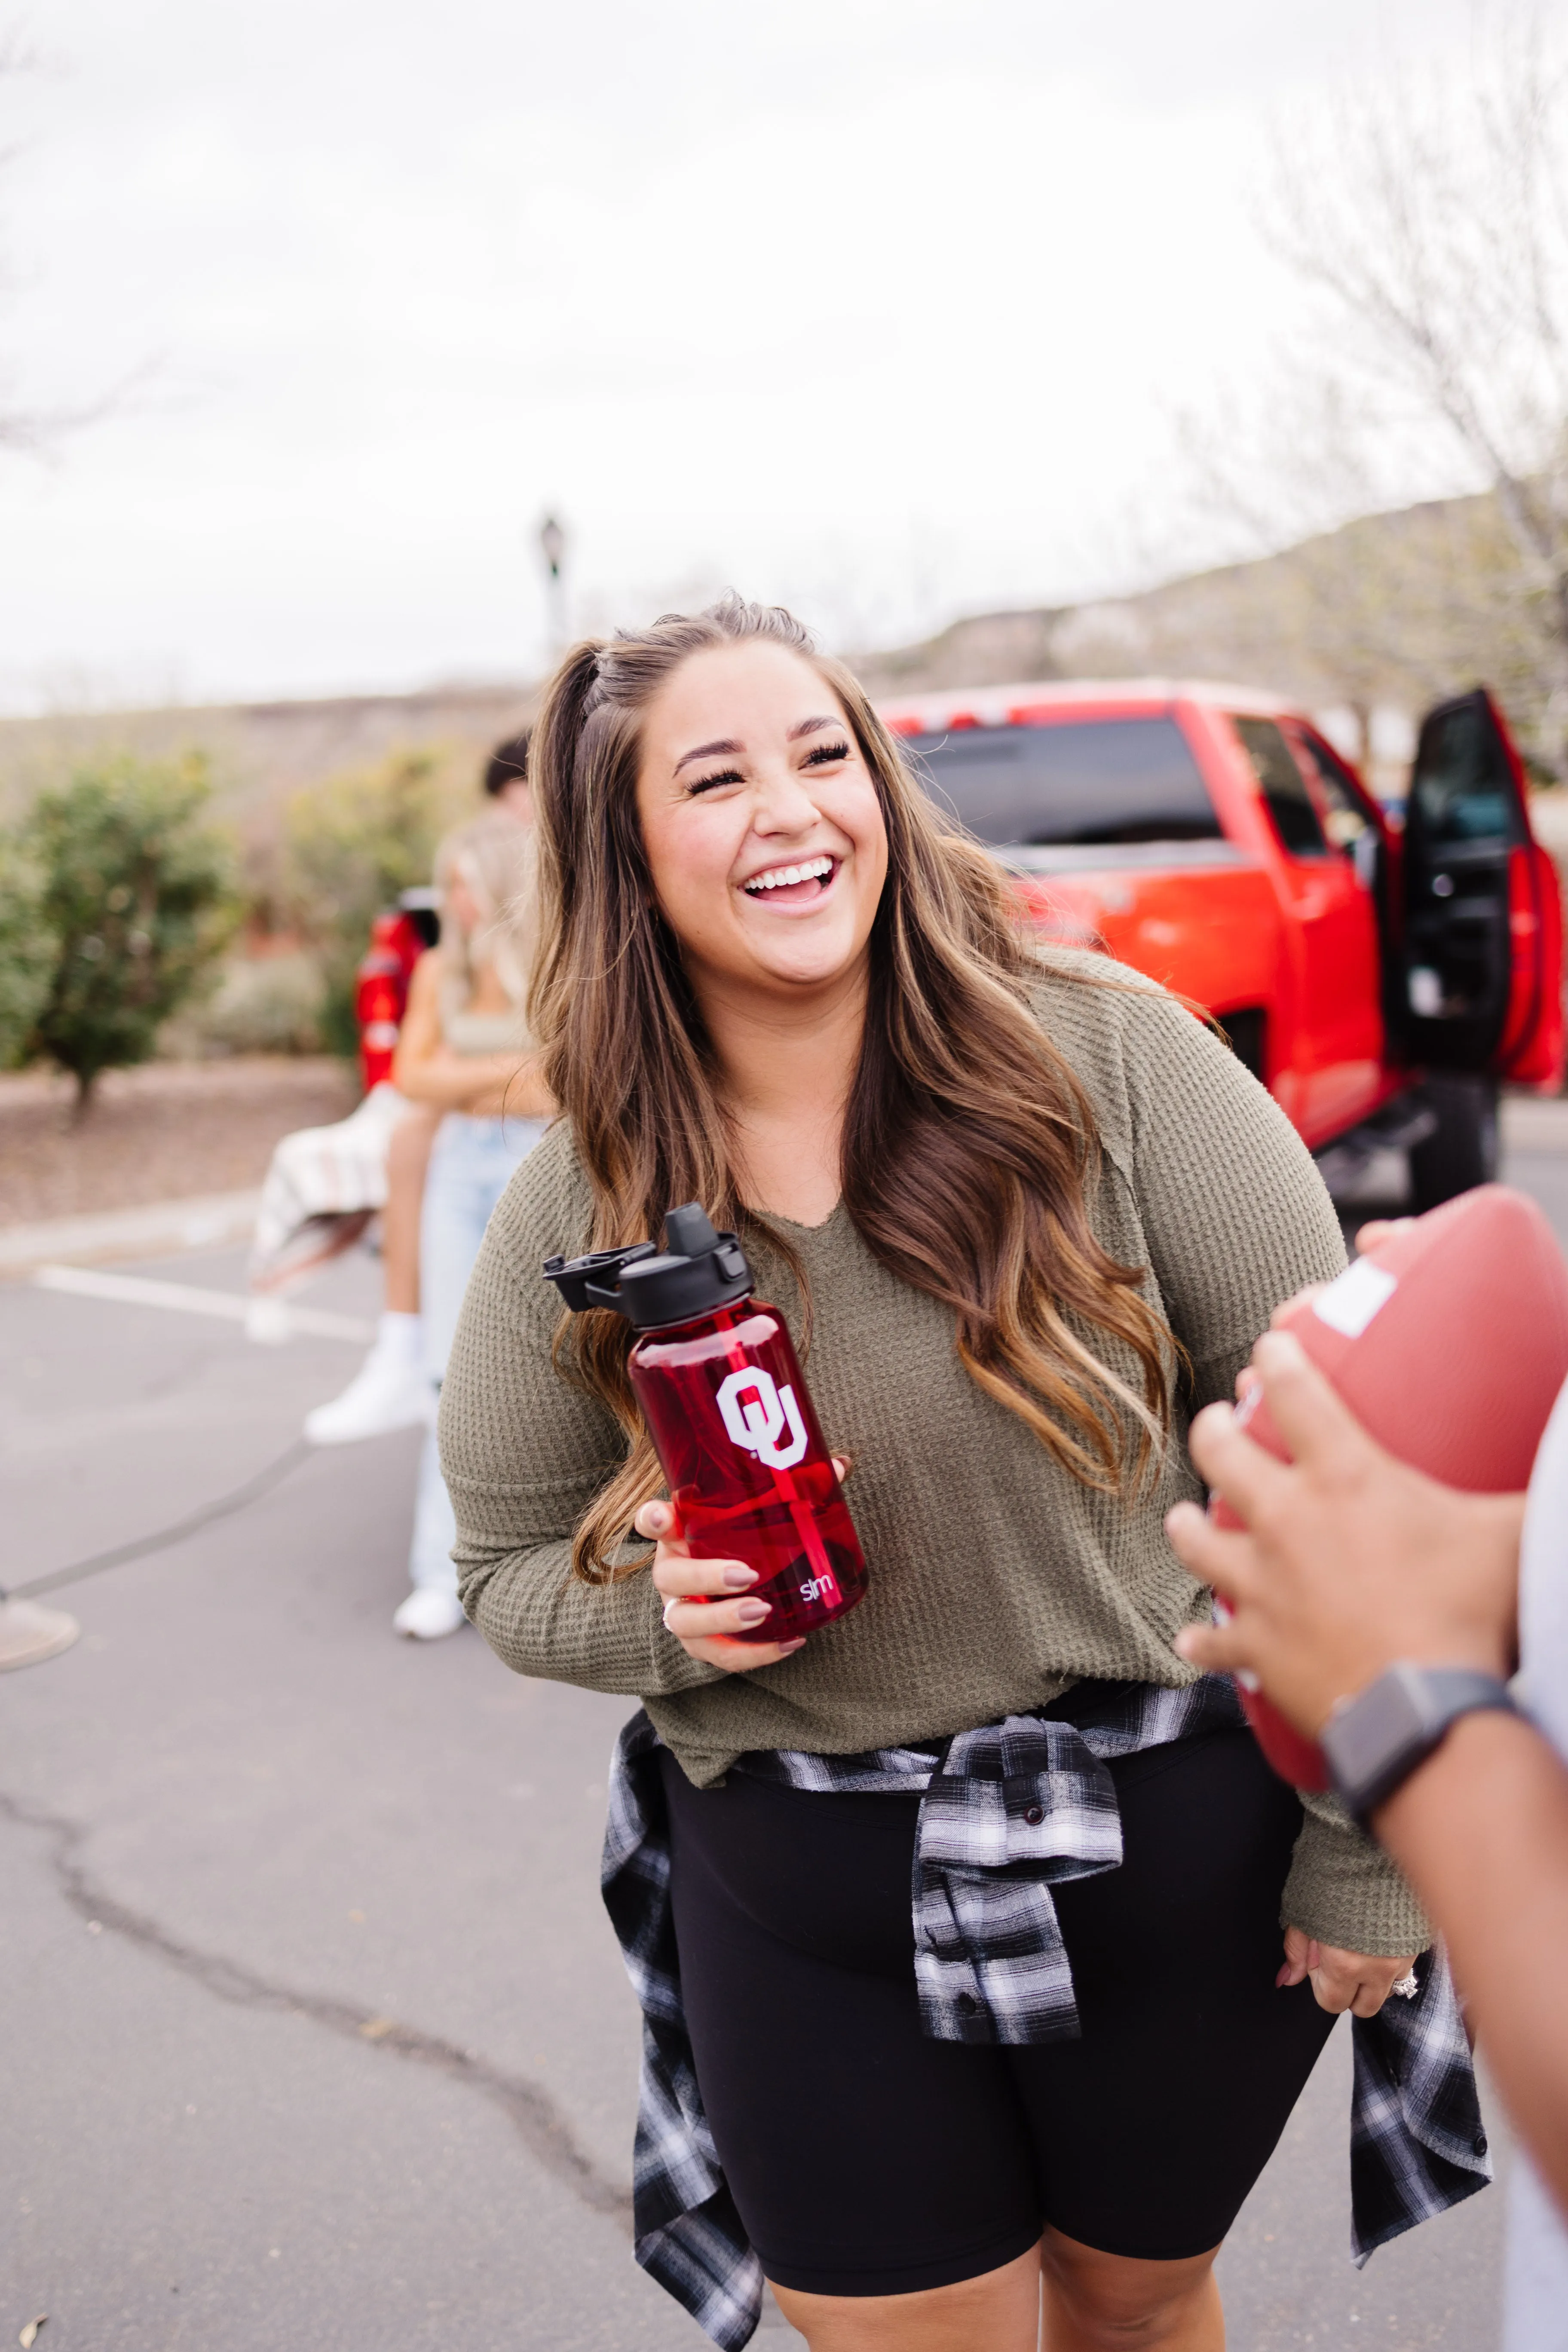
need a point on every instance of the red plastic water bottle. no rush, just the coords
(1449, 1343)
(732, 1420)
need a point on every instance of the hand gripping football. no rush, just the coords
(1448, 1343)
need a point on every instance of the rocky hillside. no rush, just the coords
(1391, 611)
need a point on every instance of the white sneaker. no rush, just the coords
(429, 1611)
(29, 1634)
(391, 1390)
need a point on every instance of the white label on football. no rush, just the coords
(1350, 1304)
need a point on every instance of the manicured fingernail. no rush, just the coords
(798, 1643)
(737, 1579)
(655, 1518)
(752, 1612)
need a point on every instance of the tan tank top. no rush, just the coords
(485, 1032)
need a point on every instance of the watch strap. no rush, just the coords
(1375, 1740)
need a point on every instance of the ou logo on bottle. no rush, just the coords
(757, 1413)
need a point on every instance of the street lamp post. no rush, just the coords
(552, 543)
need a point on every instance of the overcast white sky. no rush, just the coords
(880, 307)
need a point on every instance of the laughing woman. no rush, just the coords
(1031, 1214)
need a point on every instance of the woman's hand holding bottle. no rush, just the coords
(706, 1602)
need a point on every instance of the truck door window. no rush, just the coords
(1464, 824)
(1091, 781)
(1347, 820)
(1462, 783)
(1349, 823)
(1283, 787)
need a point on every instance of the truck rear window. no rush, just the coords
(1082, 780)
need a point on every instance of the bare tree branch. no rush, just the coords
(1426, 211)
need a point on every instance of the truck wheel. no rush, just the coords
(1462, 1150)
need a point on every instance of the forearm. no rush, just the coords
(1481, 1831)
(471, 1082)
(542, 1621)
(524, 1452)
(1343, 1889)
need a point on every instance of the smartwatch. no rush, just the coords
(1375, 1740)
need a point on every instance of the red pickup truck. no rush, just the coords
(1381, 978)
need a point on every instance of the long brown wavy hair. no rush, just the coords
(968, 1141)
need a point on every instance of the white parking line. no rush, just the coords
(267, 1319)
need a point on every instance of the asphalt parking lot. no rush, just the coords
(316, 2031)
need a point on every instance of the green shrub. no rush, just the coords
(136, 895)
(261, 1004)
(350, 846)
(27, 953)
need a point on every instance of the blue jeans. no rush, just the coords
(472, 1164)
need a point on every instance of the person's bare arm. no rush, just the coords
(486, 1086)
(425, 1068)
(1481, 1831)
(1348, 1562)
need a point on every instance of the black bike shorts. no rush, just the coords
(864, 2158)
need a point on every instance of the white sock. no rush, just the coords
(398, 1336)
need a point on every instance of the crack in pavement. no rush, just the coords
(532, 2113)
(224, 1506)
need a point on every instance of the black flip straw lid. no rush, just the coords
(698, 1270)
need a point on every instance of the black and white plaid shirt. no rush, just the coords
(1007, 1812)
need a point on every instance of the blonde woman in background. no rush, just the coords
(465, 1051)
(390, 1391)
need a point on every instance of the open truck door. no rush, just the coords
(1481, 954)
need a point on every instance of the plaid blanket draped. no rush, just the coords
(1007, 1812)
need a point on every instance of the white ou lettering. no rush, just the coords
(757, 1413)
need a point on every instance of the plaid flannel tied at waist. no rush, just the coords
(1006, 1811)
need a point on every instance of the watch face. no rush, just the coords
(1378, 1737)
(1375, 1730)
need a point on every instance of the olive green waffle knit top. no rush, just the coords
(996, 1579)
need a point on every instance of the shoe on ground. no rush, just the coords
(428, 1613)
(29, 1634)
(386, 1393)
